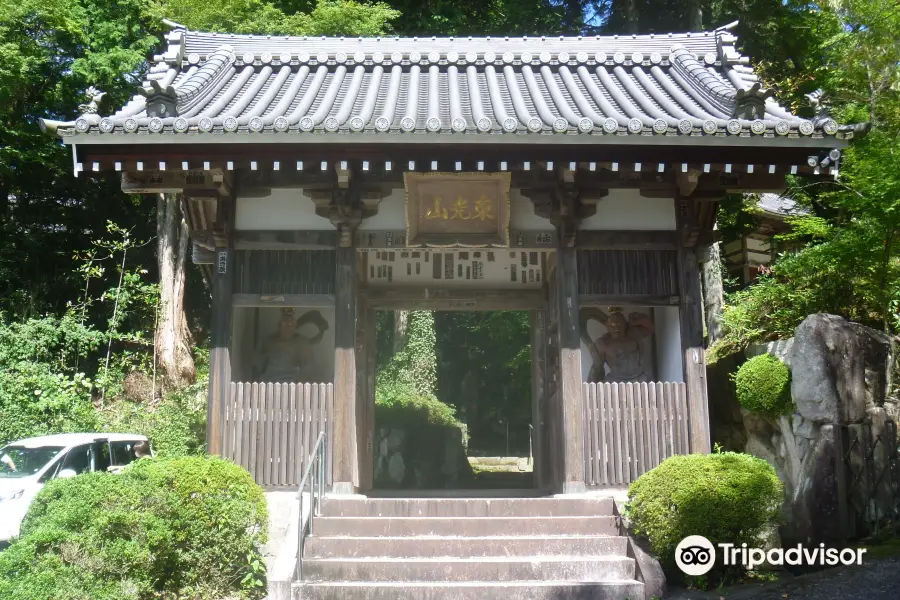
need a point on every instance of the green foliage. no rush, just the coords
(401, 405)
(490, 380)
(176, 426)
(726, 497)
(414, 367)
(39, 391)
(763, 385)
(327, 17)
(178, 528)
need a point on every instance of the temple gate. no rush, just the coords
(574, 178)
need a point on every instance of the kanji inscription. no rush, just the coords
(457, 209)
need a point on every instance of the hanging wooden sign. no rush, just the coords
(457, 209)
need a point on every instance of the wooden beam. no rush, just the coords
(570, 384)
(345, 467)
(303, 300)
(627, 300)
(452, 299)
(625, 240)
(285, 240)
(219, 354)
(693, 353)
(538, 366)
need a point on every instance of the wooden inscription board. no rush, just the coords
(457, 209)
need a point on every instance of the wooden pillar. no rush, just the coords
(570, 377)
(691, 320)
(538, 397)
(219, 354)
(345, 461)
(365, 398)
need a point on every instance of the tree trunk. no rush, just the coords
(173, 337)
(401, 328)
(695, 15)
(631, 16)
(713, 293)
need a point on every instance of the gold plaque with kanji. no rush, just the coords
(457, 209)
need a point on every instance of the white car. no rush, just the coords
(26, 465)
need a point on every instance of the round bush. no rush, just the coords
(177, 528)
(763, 384)
(726, 497)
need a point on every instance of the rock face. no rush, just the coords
(426, 457)
(840, 374)
(839, 369)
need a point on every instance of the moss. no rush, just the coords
(763, 385)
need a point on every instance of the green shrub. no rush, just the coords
(725, 497)
(401, 405)
(763, 385)
(175, 528)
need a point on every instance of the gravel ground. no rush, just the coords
(875, 580)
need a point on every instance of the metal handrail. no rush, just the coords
(316, 479)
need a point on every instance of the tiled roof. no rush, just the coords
(692, 84)
(780, 206)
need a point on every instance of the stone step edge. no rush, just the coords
(552, 536)
(547, 558)
(451, 518)
(526, 583)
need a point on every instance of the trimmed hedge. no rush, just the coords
(763, 385)
(162, 529)
(726, 497)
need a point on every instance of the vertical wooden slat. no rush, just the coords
(253, 445)
(617, 421)
(602, 424)
(595, 435)
(623, 419)
(237, 420)
(283, 423)
(329, 423)
(261, 450)
(640, 407)
(611, 443)
(685, 419)
(228, 450)
(653, 415)
(589, 427)
(290, 431)
(679, 419)
(585, 426)
(245, 425)
(632, 432)
(670, 419)
(316, 412)
(310, 398)
(272, 440)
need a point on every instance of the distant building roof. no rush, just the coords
(688, 87)
(780, 206)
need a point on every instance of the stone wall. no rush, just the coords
(424, 457)
(840, 373)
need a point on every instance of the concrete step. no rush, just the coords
(513, 590)
(467, 507)
(496, 569)
(469, 547)
(463, 526)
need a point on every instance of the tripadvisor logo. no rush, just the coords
(695, 555)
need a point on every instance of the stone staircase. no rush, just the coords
(466, 549)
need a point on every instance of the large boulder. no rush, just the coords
(839, 369)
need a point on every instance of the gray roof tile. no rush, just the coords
(673, 84)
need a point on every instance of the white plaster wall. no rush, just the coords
(668, 345)
(521, 214)
(244, 344)
(283, 209)
(628, 210)
(391, 215)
